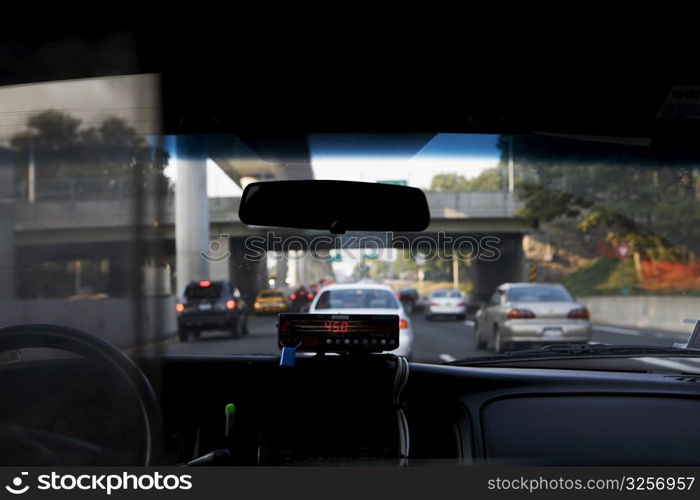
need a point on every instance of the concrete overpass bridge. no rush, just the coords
(68, 224)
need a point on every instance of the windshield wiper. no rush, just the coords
(565, 350)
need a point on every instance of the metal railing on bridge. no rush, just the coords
(458, 204)
(443, 204)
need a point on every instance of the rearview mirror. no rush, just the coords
(336, 206)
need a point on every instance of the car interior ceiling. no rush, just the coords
(338, 408)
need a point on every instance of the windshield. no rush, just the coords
(538, 294)
(595, 240)
(360, 298)
(203, 291)
(446, 293)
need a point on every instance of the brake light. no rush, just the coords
(403, 324)
(230, 304)
(205, 284)
(398, 296)
(179, 307)
(293, 296)
(434, 304)
(581, 313)
(309, 296)
(520, 314)
(462, 304)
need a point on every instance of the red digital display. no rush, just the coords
(336, 326)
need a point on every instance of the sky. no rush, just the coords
(463, 154)
(373, 161)
(414, 158)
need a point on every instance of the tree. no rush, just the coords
(448, 182)
(62, 149)
(630, 192)
(490, 179)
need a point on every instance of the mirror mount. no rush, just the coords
(337, 227)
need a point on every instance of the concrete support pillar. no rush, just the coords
(7, 251)
(507, 268)
(248, 273)
(219, 254)
(282, 271)
(191, 213)
(7, 228)
(295, 268)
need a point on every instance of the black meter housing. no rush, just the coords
(338, 332)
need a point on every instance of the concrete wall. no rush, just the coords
(664, 313)
(110, 319)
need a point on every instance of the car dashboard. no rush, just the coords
(339, 410)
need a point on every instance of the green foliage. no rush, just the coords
(589, 277)
(603, 275)
(490, 179)
(638, 199)
(547, 205)
(62, 149)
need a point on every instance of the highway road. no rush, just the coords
(435, 341)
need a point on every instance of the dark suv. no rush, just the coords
(211, 305)
(409, 299)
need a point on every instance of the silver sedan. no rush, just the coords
(531, 313)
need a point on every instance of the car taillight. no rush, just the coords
(293, 296)
(462, 304)
(520, 314)
(398, 296)
(434, 304)
(309, 296)
(179, 307)
(581, 313)
(403, 324)
(230, 304)
(205, 284)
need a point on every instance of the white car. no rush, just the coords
(365, 298)
(447, 303)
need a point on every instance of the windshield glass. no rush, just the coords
(538, 294)
(360, 298)
(207, 291)
(446, 293)
(107, 225)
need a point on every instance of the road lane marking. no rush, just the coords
(447, 358)
(469, 322)
(613, 329)
(149, 345)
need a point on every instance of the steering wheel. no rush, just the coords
(57, 448)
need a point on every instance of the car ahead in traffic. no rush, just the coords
(211, 305)
(270, 301)
(531, 313)
(409, 298)
(451, 303)
(361, 298)
(300, 299)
